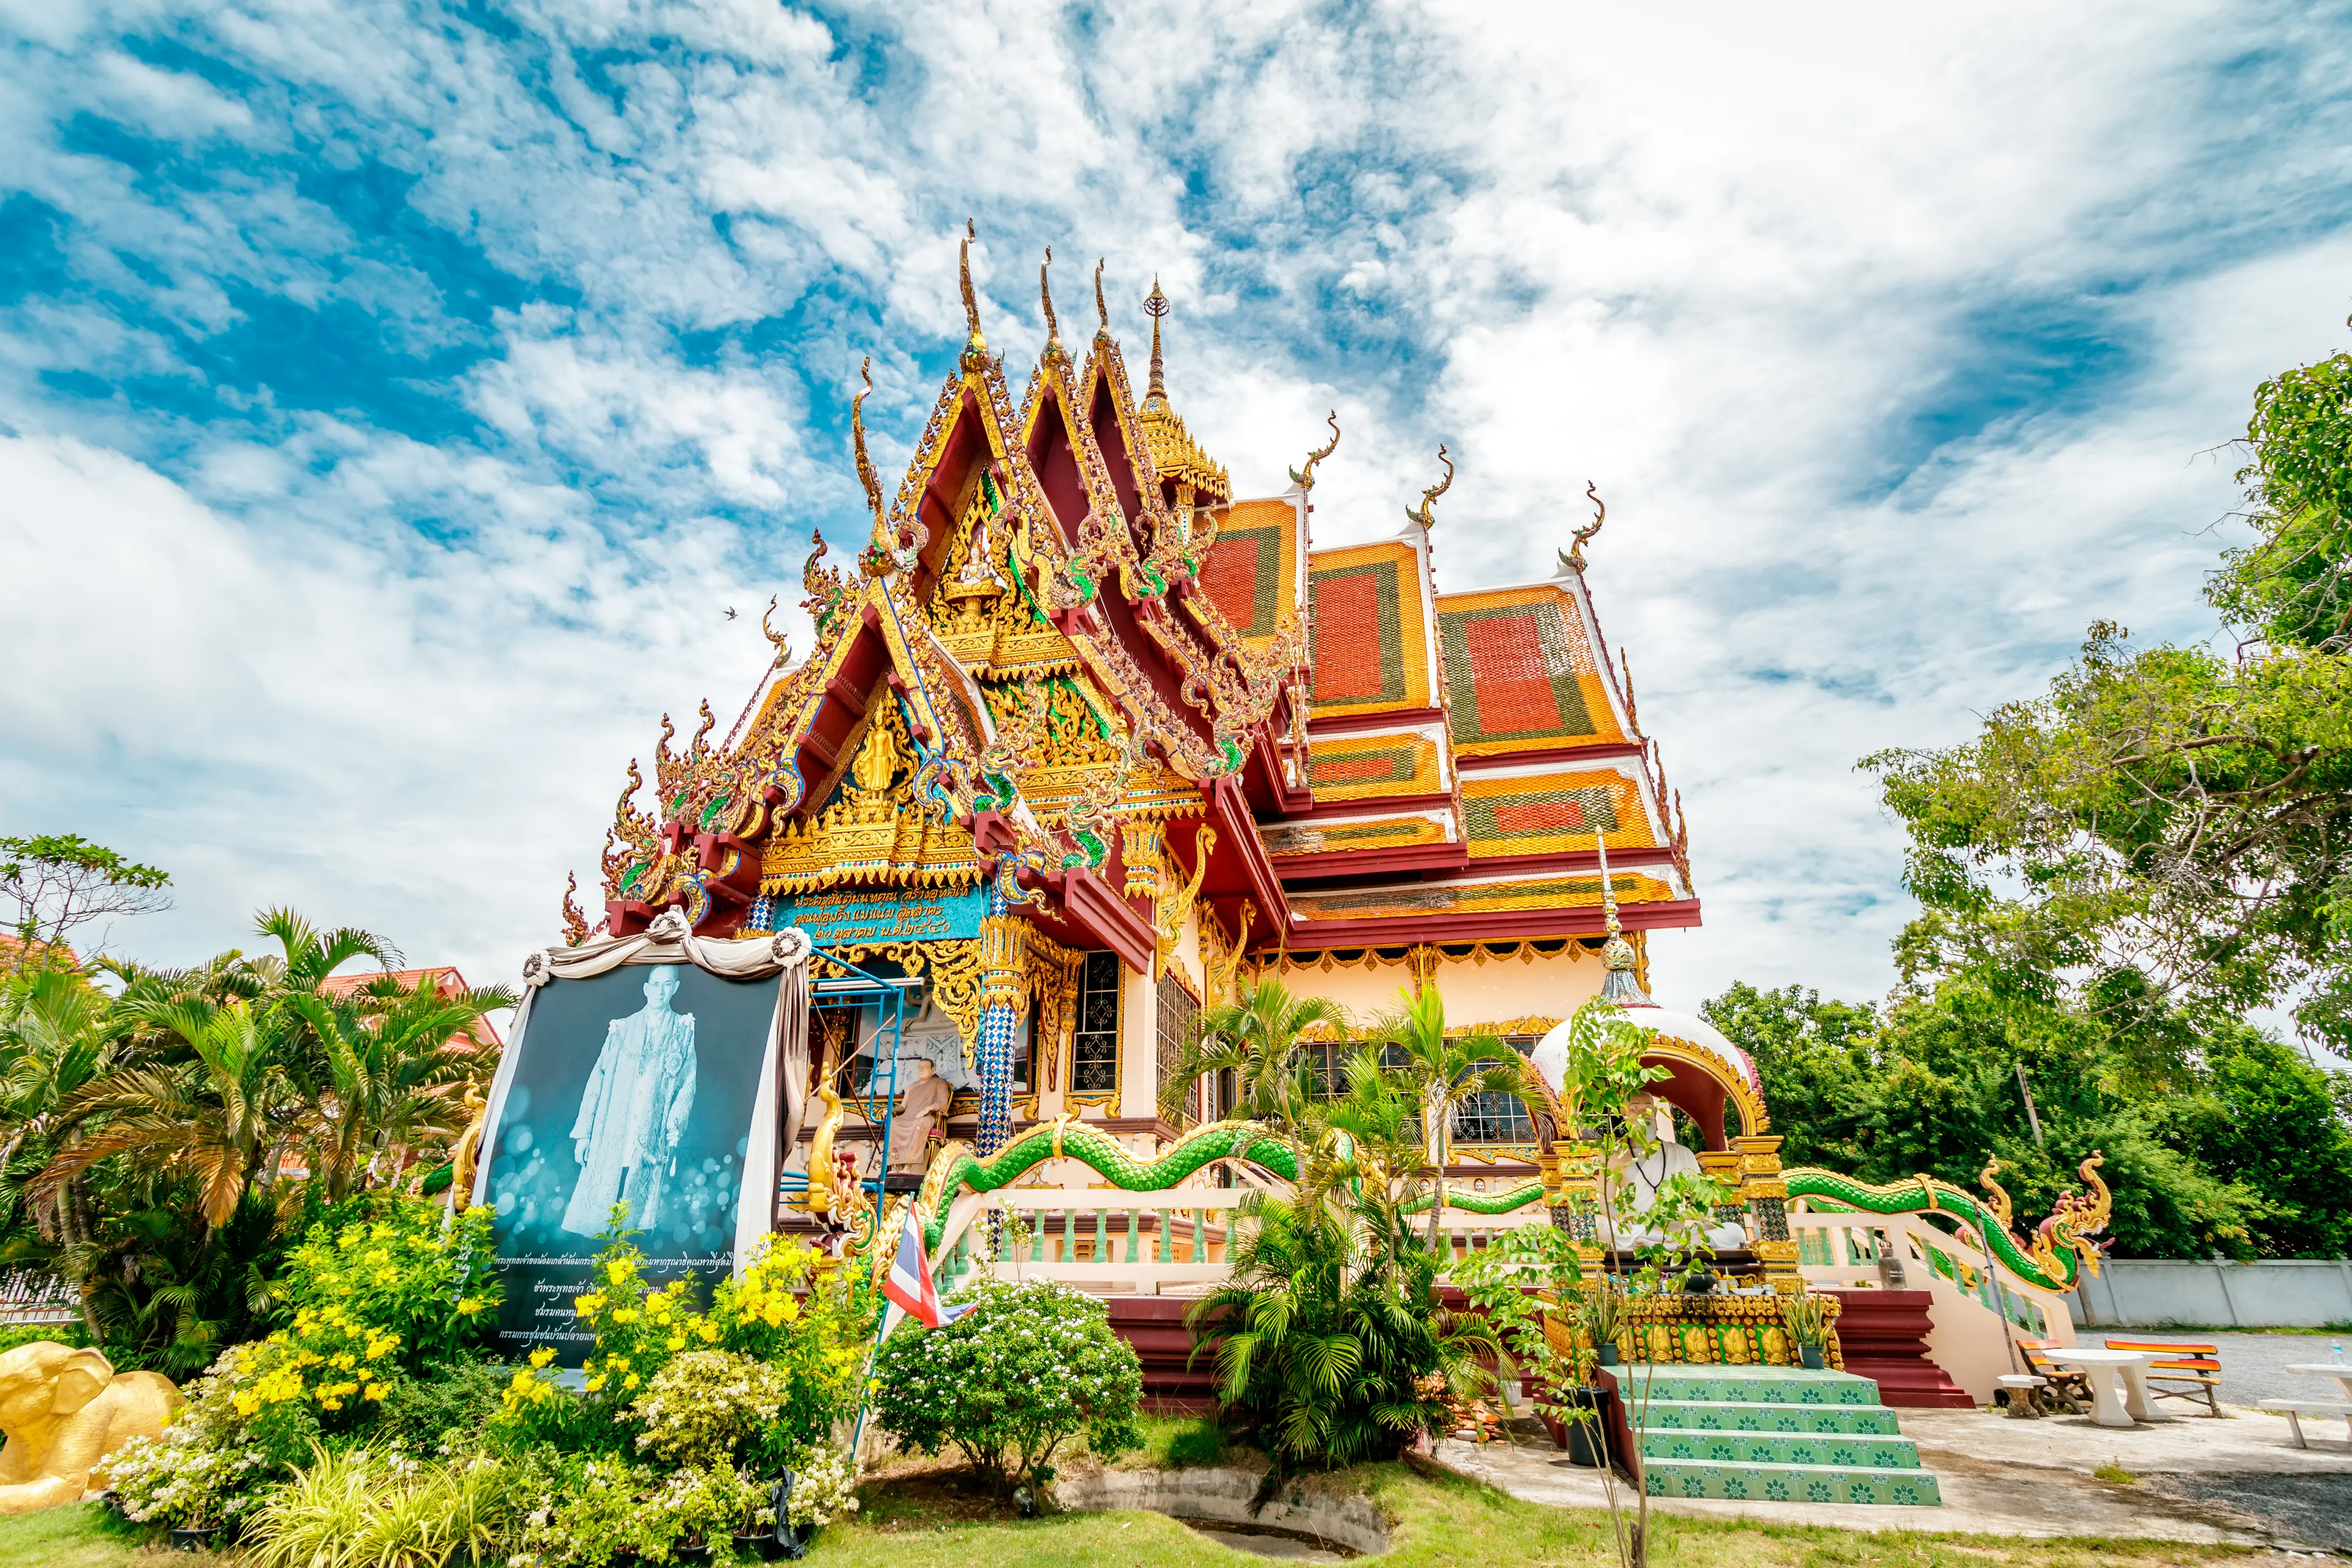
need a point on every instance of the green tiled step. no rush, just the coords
(1746, 1384)
(1783, 1448)
(1702, 1416)
(1791, 1483)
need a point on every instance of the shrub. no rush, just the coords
(445, 1410)
(812, 1342)
(1029, 1364)
(590, 1517)
(184, 1477)
(700, 1407)
(695, 1507)
(1328, 1353)
(408, 1287)
(823, 1486)
(222, 1447)
(382, 1509)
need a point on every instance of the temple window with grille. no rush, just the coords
(1494, 1118)
(1178, 1013)
(1094, 1048)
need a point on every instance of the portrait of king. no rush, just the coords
(634, 1111)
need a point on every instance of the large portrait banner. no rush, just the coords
(642, 1086)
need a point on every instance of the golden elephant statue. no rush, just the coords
(65, 1411)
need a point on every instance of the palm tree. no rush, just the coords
(308, 955)
(1256, 1038)
(221, 1117)
(1325, 1348)
(1444, 1072)
(394, 1075)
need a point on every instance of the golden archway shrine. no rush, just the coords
(1087, 741)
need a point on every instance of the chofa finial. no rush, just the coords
(1429, 497)
(1045, 297)
(971, 301)
(1306, 481)
(1572, 558)
(866, 476)
(1102, 312)
(1155, 305)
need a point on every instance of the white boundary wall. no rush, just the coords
(2147, 1293)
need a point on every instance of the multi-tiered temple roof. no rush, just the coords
(1068, 670)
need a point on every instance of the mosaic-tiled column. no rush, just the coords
(1765, 1194)
(1004, 995)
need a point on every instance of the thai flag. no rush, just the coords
(909, 1284)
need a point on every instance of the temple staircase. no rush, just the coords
(1777, 1434)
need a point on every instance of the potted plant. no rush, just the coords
(1807, 1320)
(823, 1487)
(693, 1508)
(1604, 1313)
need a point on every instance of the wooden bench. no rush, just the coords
(2192, 1371)
(2069, 1388)
(2295, 1409)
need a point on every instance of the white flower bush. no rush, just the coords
(698, 1407)
(824, 1487)
(1032, 1363)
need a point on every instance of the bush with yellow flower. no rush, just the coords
(807, 1325)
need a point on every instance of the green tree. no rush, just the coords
(1814, 1059)
(61, 882)
(2166, 810)
(1439, 1073)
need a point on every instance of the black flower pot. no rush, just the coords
(200, 1539)
(759, 1543)
(1811, 1356)
(1582, 1436)
(1606, 1355)
(691, 1554)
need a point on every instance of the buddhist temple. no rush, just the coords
(1088, 740)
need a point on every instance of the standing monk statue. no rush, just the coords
(921, 1109)
(634, 1112)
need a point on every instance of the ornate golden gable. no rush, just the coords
(875, 833)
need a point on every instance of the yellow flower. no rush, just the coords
(874, 1385)
(375, 1391)
(625, 1315)
(709, 1333)
(631, 1381)
(247, 1404)
(617, 1271)
(468, 1305)
(344, 1361)
(676, 1341)
(594, 1383)
(543, 1355)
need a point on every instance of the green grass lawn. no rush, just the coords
(1437, 1519)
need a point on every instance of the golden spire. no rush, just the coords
(976, 343)
(1306, 481)
(1429, 496)
(1619, 987)
(881, 541)
(1045, 296)
(1101, 310)
(1156, 306)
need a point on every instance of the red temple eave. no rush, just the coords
(1512, 925)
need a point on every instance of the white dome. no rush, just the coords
(1550, 1055)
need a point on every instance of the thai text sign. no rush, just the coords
(846, 920)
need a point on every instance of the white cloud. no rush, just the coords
(1721, 260)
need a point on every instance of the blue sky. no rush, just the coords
(393, 399)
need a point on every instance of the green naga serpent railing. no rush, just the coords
(2055, 1260)
(2061, 1249)
(956, 1170)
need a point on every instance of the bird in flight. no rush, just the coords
(731, 612)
